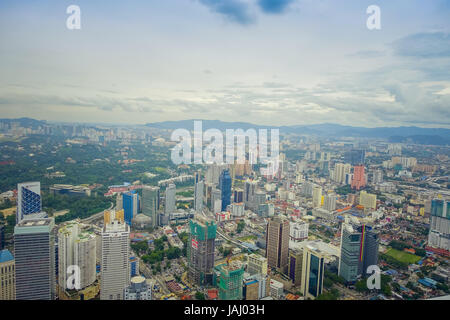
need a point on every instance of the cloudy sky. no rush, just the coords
(277, 62)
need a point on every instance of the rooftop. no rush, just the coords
(5, 256)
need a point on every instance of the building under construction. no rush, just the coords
(229, 278)
(201, 250)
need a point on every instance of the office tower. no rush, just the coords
(198, 193)
(7, 276)
(229, 277)
(298, 231)
(170, 206)
(2, 236)
(213, 173)
(359, 178)
(368, 200)
(317, 197)
(201, 250)
(359, 250)
(329, 202)
(79, 248)
(130, 205)
(249, 192)
(369, 247)
(138, 289)
(216, 201)
(29, 205)
(115, 276)
(355, 157)
(312, 272)
(256, 287)
(34, 250)
(277, 243)
(225, 188)
(257, 264)
(150, 204)
(439, 234)
(238, 196)
(295, 266)
(259, 198)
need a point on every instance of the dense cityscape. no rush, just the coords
(97, 211)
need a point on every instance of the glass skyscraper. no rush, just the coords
(35, 259)
(225, 188)
(130, 205)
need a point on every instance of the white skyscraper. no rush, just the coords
(198, 193)
(78, 248)
(317, 197)
(329, 202)
(170, 207)
(115, 256)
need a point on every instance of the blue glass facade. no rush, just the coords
(225, 188)
(31, 202)
(130, 204)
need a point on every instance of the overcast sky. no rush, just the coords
(274, 62)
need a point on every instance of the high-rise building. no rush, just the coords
(138, 289)
(216, 201)
(238, 196)
(7, 276)
(249, 192)
(256, 287)
(329, 202)
(355, 157)
(150, 204)
(439, 234)
(115, 272)
(229, 278)
(257, 264)
(340, 171)
(368, 200)
(317, 197)
(201, 250)
(312, 272)
(170, 205)
(359, 250)
(29, 204)
(277, 243)
(198, 193)
(359, 178)
(298, 231)
(34, 250)
(79, 248)
(295, 266)
(225, 188)
(130, 206)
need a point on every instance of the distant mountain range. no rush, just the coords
(432, 136)
(436, 136)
